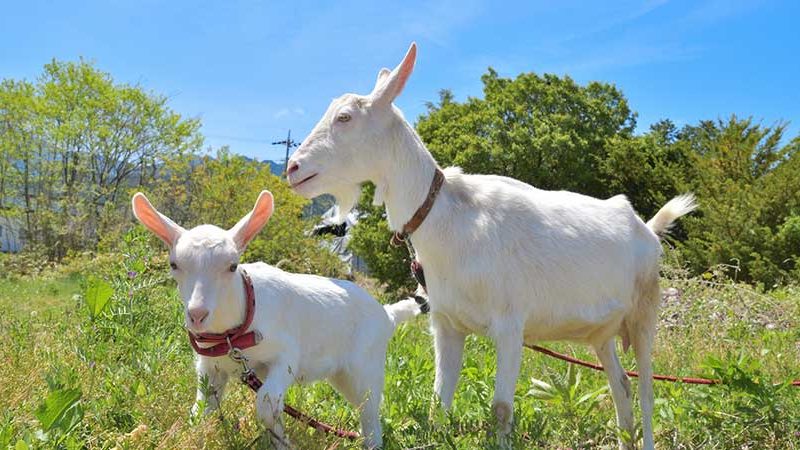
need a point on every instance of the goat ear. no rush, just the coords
(396, 80)
(382, 75)
(161, 225)
(246, 229)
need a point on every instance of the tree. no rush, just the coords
(18, 112)
(649, 169)
(746, 182)
(75, 143)
(545, 130)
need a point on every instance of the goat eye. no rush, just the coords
(233, 267)
(343, 117)
(173, 266)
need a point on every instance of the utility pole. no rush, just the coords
(289, 143)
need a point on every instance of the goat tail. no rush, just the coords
(669, 213)
(402, 311)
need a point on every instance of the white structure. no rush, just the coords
(312, 327)
(502, 258)
(10, 235)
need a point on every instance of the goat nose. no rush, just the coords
(197, 315)
(292, 167)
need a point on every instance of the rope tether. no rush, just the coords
(672, 378)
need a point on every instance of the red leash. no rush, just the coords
(250, 379)
(674, 379)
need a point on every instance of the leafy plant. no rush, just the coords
(572, 401)
(59, 415)
(565, 391)
(755, 398)
(6, 432)
(97, 294)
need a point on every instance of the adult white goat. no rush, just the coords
(311, 327)
(501, 258)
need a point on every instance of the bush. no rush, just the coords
(31, 261)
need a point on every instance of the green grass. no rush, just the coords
(133, 369)
(42, 295)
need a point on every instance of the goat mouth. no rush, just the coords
(196, 329)
(295, 185)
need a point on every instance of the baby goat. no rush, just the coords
(310, 327)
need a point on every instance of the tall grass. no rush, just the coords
(78, 374)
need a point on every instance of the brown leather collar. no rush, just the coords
(422, 212)
(237, 337)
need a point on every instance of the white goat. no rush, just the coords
(312, 327)
(501, 258)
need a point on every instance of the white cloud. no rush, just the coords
(287, 112)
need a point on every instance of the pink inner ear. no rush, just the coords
(406, 67)
(151, 219)
(255, 221)
(397, 79)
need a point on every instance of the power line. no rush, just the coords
(289, 143)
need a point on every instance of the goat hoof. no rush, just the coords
(504, 414)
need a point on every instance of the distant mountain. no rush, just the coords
(275, 167)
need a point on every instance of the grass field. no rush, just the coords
(120, 375)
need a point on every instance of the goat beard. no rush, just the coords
(346, 199)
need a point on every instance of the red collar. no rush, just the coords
(237, 337)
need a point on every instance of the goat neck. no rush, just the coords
(407, 178)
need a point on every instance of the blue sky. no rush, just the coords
(252, 70)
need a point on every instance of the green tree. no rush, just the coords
(649, 169)
(547, 131)
(74, 143)
(746, 182)
(18, 114)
